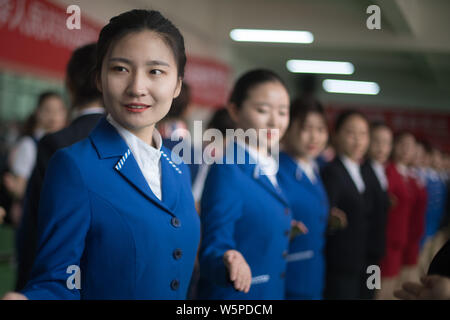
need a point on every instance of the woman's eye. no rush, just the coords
(119, 69)
(156, 71)
(261, 111)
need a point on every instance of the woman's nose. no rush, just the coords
(137, 85)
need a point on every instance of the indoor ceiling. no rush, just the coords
(409, 57)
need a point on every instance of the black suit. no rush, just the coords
(440, 264)
(346, 249)
(26, 238)
(379, 207)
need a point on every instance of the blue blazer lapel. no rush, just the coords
(301, 177)
(265, 182)
(253, 171)
(109, 144)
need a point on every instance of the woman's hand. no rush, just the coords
(338, 219)
(297, 228)
(14, 296)
(15, 185)
(239, 270)
(432, 288)
(2, 215)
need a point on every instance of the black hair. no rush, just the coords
(301, 108)
(402, 134)
(139, 20)
(345, 115)
(80, 77)
(180, 103)
(221, 121)
(30, 123)
(248, 81)
(375, 125)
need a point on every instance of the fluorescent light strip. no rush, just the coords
(351, 87)
(276, 36)
(317, 66)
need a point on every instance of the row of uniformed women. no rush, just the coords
(117, 218)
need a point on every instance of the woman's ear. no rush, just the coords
(233, 111)
(178, 87)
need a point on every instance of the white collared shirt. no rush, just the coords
(147, 157)
(309, 168)
(402, 169)
(353, 168)
(380, 172)
(265, 163)
(23, 156)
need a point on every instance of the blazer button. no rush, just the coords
(176, 222)
(175, 284)
(177, 253)
(282, 275)
(285, 254)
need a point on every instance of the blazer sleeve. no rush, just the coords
(221, 207)
(63, 222)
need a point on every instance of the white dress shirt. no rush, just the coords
(147, 157)
(380, 172)
(353, 168)
(23, 156)
(264, 163)
(309, 168)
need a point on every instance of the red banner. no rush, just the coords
(34, 36)
(433, 127)
(35, 39)
(209, 80)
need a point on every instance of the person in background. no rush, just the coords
(299, 178)
(435, 234)
(220, 121)
(246, 220)
(401, 198)
(87, 109)
(347, 189)
(435, 285)
(416, 221)
(49, 116)
(374, 168)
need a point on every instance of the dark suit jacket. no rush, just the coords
(26, 239)
(441, 262)
(378, 215)
(346, 249)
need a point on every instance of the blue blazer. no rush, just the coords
(98, 213)
(309, 203)
(242, 210)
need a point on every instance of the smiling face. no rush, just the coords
(139, 79)
(353, 138)
(308, 139)
(266, 107)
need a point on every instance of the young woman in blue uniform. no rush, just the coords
(117, 217)
(245, 218)
(300, 180)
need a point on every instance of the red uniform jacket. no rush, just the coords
(397, 231)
